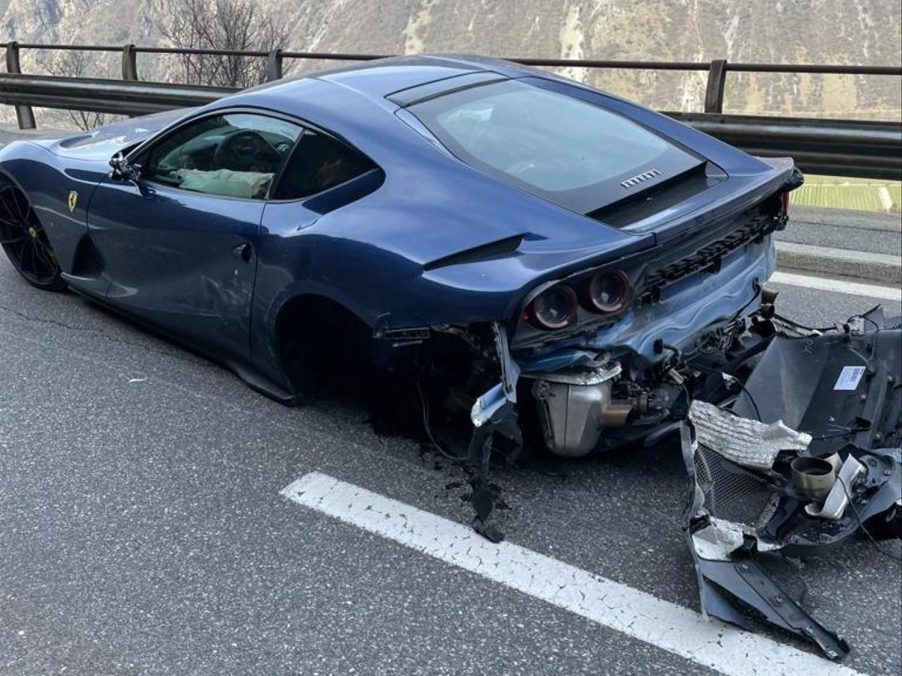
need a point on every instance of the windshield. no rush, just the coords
(560, 147)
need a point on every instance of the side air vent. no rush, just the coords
(87, 261)
(497, 249)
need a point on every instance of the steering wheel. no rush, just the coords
(245, 151)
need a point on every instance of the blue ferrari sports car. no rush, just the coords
(497, 251)
(518, 231)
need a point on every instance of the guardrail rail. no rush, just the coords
(861, 148)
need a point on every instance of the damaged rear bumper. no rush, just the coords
(792, 442)
(825, 464)
(613, 385)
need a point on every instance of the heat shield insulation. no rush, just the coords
(746, 442)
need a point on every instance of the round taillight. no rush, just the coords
(554, 308)
(607, 292)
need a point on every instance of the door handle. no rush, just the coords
(243, 251)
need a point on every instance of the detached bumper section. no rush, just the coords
(758, 488)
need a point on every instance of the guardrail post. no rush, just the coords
(274, 65)
(24, 114)
(129, 62)
(717, 76)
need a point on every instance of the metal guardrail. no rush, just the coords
(842, 147)
(120, 97)
(861, 148)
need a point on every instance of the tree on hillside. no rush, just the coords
(219, 24)
(80, 64)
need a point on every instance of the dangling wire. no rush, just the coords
(424, 407)
(752, 401)
(791, 322)
(865, 530)
(732, 379)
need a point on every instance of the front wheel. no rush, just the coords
(23, 239)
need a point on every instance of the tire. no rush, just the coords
(25, 242)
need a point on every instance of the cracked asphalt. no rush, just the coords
(142, 531)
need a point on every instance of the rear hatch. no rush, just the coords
(575, 154)
(598, 161)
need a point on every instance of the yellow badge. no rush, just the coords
(73, 200)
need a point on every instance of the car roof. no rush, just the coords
(380, 78)
(353, 102)
(359, 104)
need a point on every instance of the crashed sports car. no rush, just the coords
(551, 264)
(568, 237)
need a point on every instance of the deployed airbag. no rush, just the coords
(249, 184)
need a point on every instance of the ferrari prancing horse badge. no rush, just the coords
(73, 200)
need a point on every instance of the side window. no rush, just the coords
(232, 154)
(318, 163)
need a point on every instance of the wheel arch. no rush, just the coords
(6, 176)
(24, 237)
(314, 332)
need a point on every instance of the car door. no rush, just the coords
(179, 242)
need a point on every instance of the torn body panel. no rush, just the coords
(790, 435)
(841, 386)
(733, 587)
(606, 381)
(761, 487)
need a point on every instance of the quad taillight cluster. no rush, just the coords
(604, 293)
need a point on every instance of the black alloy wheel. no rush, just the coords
(23, 239)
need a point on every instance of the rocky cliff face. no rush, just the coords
(789, 31)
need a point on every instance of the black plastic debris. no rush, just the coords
(812, 458)
(733, 587)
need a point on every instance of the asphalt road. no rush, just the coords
(142, 530)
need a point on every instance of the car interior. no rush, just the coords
(242, 155)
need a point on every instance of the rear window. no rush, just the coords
(562, 148)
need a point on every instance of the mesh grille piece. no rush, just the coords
(731, 492)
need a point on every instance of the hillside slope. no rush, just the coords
(788, 31)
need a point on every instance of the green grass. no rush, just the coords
(895, 193)
(860, 194)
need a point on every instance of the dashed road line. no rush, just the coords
(635, 613)
(839, 286)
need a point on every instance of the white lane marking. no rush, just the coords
(666, 625)
(823, 284)
(886, 200)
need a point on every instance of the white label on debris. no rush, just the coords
(849, 378)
